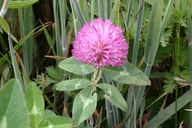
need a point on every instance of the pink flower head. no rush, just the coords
(100, 43)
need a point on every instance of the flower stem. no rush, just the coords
(97, 75)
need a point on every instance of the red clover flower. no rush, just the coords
(100, 43)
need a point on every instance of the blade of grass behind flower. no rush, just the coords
(128, 13)
(101, 12)
(138, 32)
(115, 15)
(16, 70)
(190, 49)
(63, 42)
(135, 55)
(83, 4)
(74, 18)
(152, 44)
(17, 46)
(48, 38)
(116, 115)
(57, 27)
(170, 110)
(30, 42)
(59, 11)
(108, 106)
(26, 25)
(150, 52)
(92, 9)
(79, 12)
(21, 4)
(26, 79)
(152, 41)
(108, 9)
(104, 9)
(131, 122)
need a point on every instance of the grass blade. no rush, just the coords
(138, 32)
(57, 27)
(63, 45)
(92, 9)
(170, 110)
(21, 4)
(152, 43)
(26, 25)
(16, 70)
(79, 12)
(101, 9)
(17, 46)
(115, 15)
(128, 14)
(83, 4)
(190, 49)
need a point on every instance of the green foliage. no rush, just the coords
(113, 95)
(73, 66)
(127, 74)
(166, 113)
(35, 104)
(4, 25)
(168, 25)
(115, 16)
(54, 73)
(55, 122)
(153, 36)
(84, 104)
(13, 110)
(21, 4)
(85, 101)
(19, 111)
(73, 84)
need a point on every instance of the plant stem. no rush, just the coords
(96, 75)
(177, 54)
(4, 8)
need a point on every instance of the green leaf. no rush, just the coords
(54, 73)
(13, 111)
(21, 4)
(114, 96)
(48, 113)
(55, 122)
(48, 37)
(76, 67)
(127, 74)
(169, 85)
(73, 84)
(4, 25)
(35, 104)
(84, 104)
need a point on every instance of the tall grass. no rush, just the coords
(143, 32)
(190, 48)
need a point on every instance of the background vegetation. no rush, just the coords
(39, 36)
